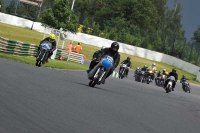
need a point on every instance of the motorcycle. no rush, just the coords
(142, 76)
(100, 71)
(122, 72)
(169, 85)
(185, 86)
(149, 76)
(157, 80)
(43, 53)
(162, 80)
(137, 75)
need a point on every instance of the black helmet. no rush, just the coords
(115, 45)
(174, 70)
(128, 58)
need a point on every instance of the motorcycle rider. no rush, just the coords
(158, 76)
(113, 52)
(183, 79)
(164, 72)
(98, 52)
(128, 63)
(173, 73)
(144, 68)
(137, 71)
(154, 69)
(52, 40)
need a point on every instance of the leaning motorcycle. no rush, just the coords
(170, 83)
(100, 71)
(122, 72)
(43, 53)
(185, 86)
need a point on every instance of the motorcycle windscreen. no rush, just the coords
(107, 64)
(46, 45)
(123, 65)
(172, 78)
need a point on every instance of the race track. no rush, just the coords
(41, 100)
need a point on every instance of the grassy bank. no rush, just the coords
(27, 35)
(51, 64)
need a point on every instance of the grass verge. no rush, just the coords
(31, 36)
(51, 64)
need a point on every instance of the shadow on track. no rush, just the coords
(102, 89)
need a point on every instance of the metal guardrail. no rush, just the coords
(17, 48)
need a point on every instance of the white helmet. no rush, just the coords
(154, 64)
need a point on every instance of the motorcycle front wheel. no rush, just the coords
(93, 82)
(40, 58)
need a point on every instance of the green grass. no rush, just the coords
(51, 64)
(27, 35)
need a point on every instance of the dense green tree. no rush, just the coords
(60, 16)
(196, 35)
(3, 6)
(11, 7)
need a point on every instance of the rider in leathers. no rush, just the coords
(173, 73)
(52, 40)
(128, 63)
(113, 52)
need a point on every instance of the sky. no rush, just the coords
(191, 15)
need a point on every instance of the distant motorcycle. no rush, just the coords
(170, 83)
(137, 75)
(142, 76)
(150, 74)
(162, 80)
(185, 85)
(122, 72)
(100, 71)
(157, 80)
(43, 53)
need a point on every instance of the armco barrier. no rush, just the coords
(17, 48)
(27, 49)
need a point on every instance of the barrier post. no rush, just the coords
(68, 56)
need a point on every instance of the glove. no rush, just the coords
(51, 51)
(96, 59)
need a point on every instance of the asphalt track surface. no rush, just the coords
(41, 100)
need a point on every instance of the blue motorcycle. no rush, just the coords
(43, 53)
(100, 71)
